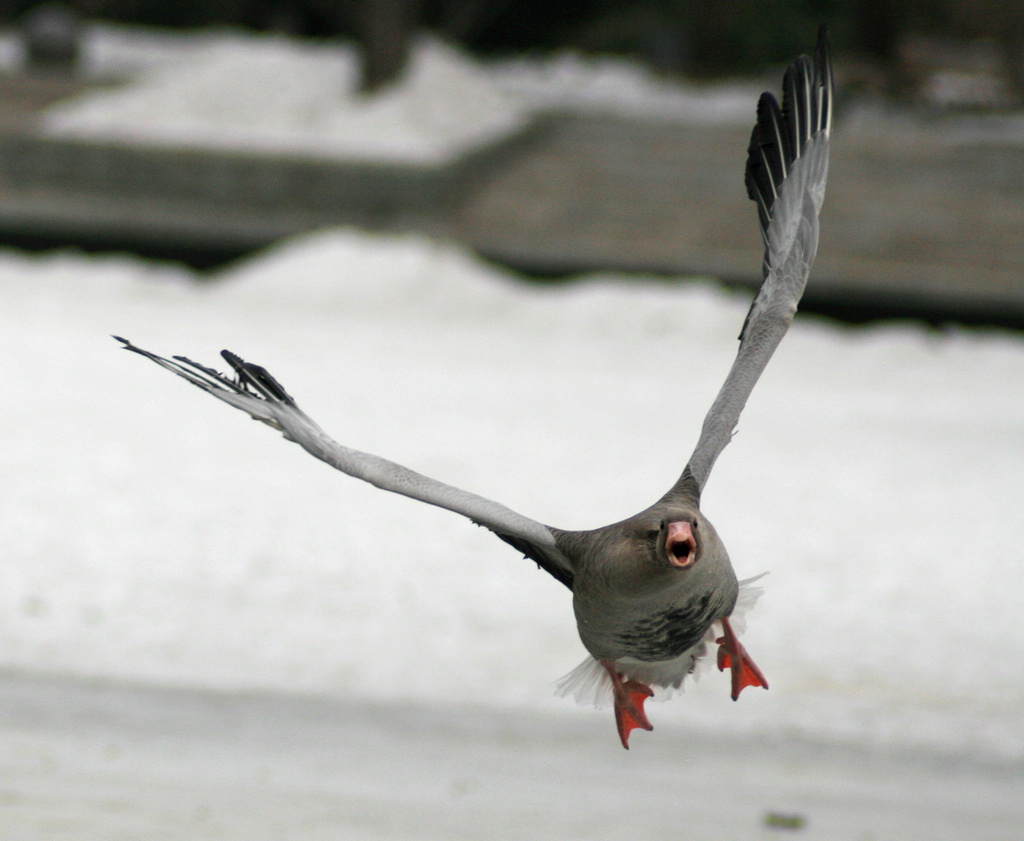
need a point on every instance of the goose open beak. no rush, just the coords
(680, 544)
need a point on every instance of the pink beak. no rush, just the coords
(680, 545)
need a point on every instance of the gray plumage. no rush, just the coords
(651, 591)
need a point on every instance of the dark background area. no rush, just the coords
(674, 36)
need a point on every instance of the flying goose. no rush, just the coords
(652, 591)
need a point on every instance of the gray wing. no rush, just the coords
(258, 394)
(787, 165)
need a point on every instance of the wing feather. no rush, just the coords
(257, 393)
(787, 166)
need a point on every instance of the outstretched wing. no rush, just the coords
(787, 164)
(258, 394)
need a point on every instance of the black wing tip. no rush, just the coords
(252, 380)
(258, 379)
(821, 49)
(126, 344)
(781, 132)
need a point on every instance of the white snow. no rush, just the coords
(153, 534)
(273, 94)
(604, 84)
(268, 93)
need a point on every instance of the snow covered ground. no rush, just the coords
(151, 534)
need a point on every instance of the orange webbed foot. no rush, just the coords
(629, 696)
(732, 655)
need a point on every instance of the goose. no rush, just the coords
(650, 593)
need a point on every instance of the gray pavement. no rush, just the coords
(93, 761)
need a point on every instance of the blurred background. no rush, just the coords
(586, 136)
(508, 244)
(898, 41)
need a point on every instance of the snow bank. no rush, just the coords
(273, 94)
